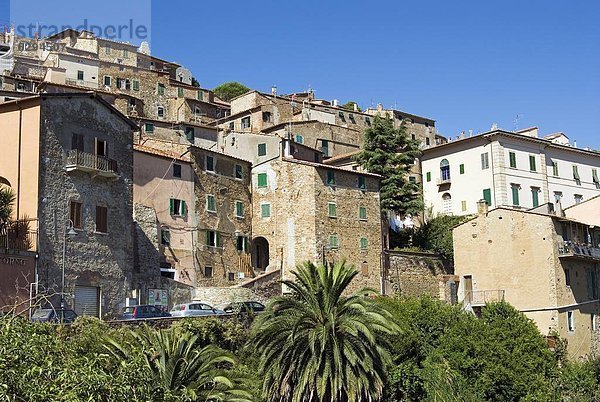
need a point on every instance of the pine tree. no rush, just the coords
(391, 153)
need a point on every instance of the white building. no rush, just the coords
(515, 169)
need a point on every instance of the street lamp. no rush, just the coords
(69, 230)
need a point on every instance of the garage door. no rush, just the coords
(87, 300)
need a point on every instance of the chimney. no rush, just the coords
(482, 208)
(379, 107)
(335, 102)
(355, 106)
(274, 90)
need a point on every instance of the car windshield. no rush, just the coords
(41, 313)
(128, 310)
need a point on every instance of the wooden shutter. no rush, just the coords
(101, 219)
(171, 206)
(183, 208)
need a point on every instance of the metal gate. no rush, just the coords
(87, 300)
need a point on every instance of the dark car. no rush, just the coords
(143, 311)
(244, 307)
(55, 316)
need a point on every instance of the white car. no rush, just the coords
(194, 309)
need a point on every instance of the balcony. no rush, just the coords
(569, 249)
(443, 181)
(90, 163)
(19, 235)
(482, 297)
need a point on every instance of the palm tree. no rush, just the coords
(7, 199)
(180, 366)
(318, 345)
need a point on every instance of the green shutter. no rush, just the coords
(362, 184)
(462, 168)
(262, 149)
(428, 175)
(576, 173)
(171, 206)
(487, 196)
(532, 163)
(595, 176)
(180, 92)
(330, 178)
(333, 242)
(555, 169)
(364, 243)
(265, 210)
(513, 159)
(362, 213)
(332, 210)
(262, 180)
(136, 85)
(183, 208)
(219, 239)
(207, 238)
(534, 197)
(246, 244)
(239, 208)
(515, 195)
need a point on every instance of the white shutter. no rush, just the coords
(87, 300)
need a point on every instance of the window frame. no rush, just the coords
(177, 169)
(261, 149)
(238, 173)
(101, 219)
(512, 159)
(260, 176)
(330, 178)
(334, 242)
(210, 199)
(76, 213)
(362, 213)
(265, 207)
(212, 164)
(332, 210)
(238, 206)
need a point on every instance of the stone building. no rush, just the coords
(545, 265)
(69, 159)
(307, 211)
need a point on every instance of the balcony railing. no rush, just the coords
(85, 162)
(19, 235)
(570, 249)
(482, 297)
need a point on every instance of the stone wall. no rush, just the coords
(414, 274)
(102, 260)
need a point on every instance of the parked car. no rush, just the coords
(194, 309)
(55, 316)
(244, 307)
(142, 311)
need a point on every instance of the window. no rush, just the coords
(515, 193)
(487, 196)
(262, 180)
(325, 147)
(77, 142)
(176, 170)
(231, 125)
(334, 242)
(362, 183)
(535, 201)
(576, 175)
(485, 161)
(101, 147)
(351, 117)
(362, 213)
(189, 134)
(213, 239)
(299, 139)
(512, 158)
(445, 169)
(592, 286)
(180, 92)
(106, 49)
(128, 85)
(532, 166)
(210, 163)
(330, 178)
(463, 206)
(567, 277)
(238, 172)
(262, 149)
(136, 85)
(246, 122)
(165, 237)
(595, 178)
(427, 141)
(555, 169)
(200, 95)
(76, 214)
(160, 112)
(368, 121)
(578, 198)
(557, 196)
(461, 168)
(570, 321)
(101, 219)
(160, 89)
(211, 205)
(80, 75)
(177, 207)
(239, 209)
(342, 118)
(242, 244)
(125, 53)
(447, 204)
(266, 116)
(265, 210)
(208, 272)
(412, 179)
(428, 176)
(364, 243)
(332, 209)
(149, 127)
(107, 80)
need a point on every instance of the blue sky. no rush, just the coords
(466, 64)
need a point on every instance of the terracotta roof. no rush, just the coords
(160, 152)
(340, 157)
(146, 141)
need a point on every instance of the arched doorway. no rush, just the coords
(260, 253)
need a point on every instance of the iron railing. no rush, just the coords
(78, 159)
(19, 235)
(568, 248)
(481, 297)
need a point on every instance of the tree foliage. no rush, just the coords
(436, 235)
(230, 90)
(7, 199)
(350, 106)
(319, 345)
(391, 153)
